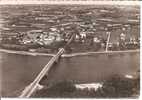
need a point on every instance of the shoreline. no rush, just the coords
(102, 52)
(65, 55)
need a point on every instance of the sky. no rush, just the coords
(84, 2)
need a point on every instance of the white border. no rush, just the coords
(82, 2)
(140, 50)
(11, 2)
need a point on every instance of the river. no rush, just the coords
(18, 71)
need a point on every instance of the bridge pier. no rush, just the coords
(57, 60)
(43, 80)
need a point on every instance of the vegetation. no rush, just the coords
(119, 87)
(114, 87)
(14, 47)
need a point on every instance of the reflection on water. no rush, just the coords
(19, 70)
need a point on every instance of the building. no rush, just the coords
(122, 36)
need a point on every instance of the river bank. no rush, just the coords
(114, 86)
(64, 55)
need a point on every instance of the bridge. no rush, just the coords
(30, 89)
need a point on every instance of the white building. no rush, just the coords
(122, 36)
(96, 40)
(83, 35)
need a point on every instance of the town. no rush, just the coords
(46, 29)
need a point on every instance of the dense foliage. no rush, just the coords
(114, 87)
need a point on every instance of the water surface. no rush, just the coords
(19, 71)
